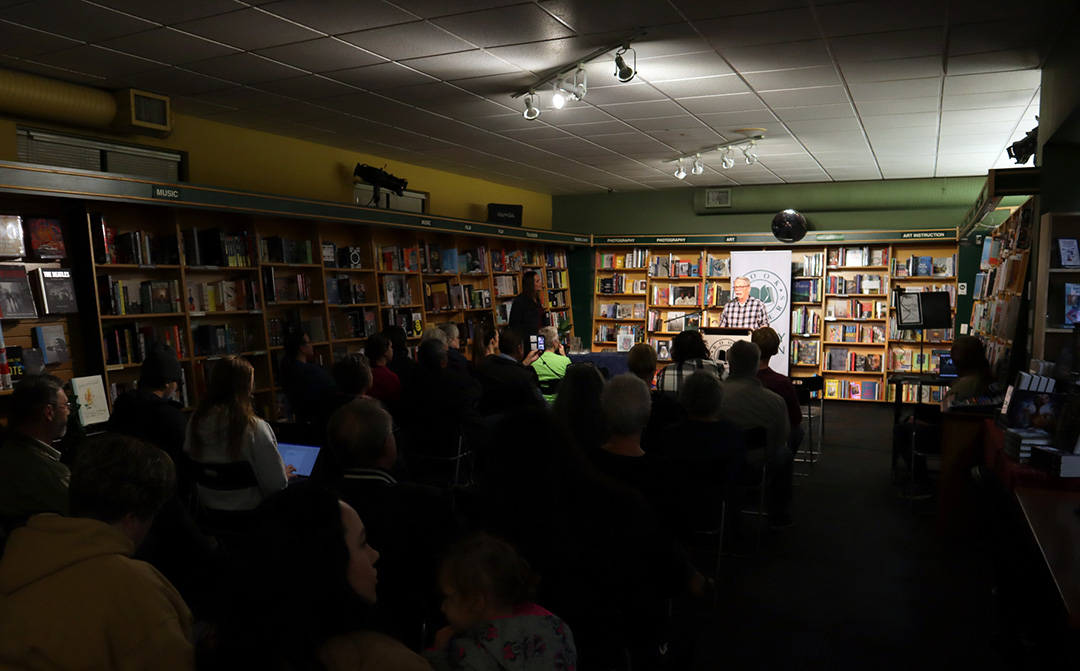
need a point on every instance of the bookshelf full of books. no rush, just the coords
(807, 311)
(1057, 294)
(620, 312)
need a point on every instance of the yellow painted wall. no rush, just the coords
(239, 158)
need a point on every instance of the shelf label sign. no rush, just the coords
(167, 192)
(830, 236)
(425, 222)
(731, 238)
(922, 235)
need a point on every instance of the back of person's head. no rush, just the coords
(114, 475)
(528, 283)
(294, 342)
(627, 404)
(451, 331)
(743, 358)
(538, 462)
(577, 404)
(688, 345)
(550, 334)
(291, 589)
(701, 395)
(159, 368)
(397, 336)
(377, 345)
(482, 564)
(32, 393)
(483, 337)
(352, 374)
(358, 431)
(969, 356)
(642, 361)
(431, 354)
(433, 332)
(229, 390)
(510, 341)
(767, 340)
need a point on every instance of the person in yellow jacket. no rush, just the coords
(71, 596)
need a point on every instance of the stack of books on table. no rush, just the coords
(1056, 462)
(1018, 442)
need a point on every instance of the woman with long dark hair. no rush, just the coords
(527, 313)
(304, 593)
(225, 429)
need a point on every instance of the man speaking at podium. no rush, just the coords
(744, 312)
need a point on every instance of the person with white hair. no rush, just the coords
(455, 360)
(551, 366)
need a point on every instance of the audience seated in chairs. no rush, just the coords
(551, 365)
(484, 344)
(709, 451)
(400, 362)
(577, 406)
(768, 341)
(304, 592)
(689, 353)
(70, 595)
(307, 385)
(235, 451)
(409, 522)
(456, 361)
(385, 382)
(32, 479)
(665, 407)
(604, 564)
(748, 404)
(507, 379)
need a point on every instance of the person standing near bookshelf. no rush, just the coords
(745, 311)
(527, 313)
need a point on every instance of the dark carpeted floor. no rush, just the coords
(862, 581)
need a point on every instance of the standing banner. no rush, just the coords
(770, 282)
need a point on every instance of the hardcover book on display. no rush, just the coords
(1069, 252)
(16, 300)
(55, 290)
(1072, 303)
(11, 236)
(46, 238)
(89, 392)
(52, 342)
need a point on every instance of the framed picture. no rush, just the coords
(1070, 252)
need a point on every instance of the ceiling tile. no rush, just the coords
(821, 95)
(805, 53)
(906, 106)
(168, 46)
(631, 92)
(646, 110)
(515, 24)
(999, 128)
(702, 86)
(977, 38)
(197, 108)
(303, 112)
(96, 61)
(241, 98)
(462, 65)
(324, 54)
(308, 87)
(994, 61)
(797, 78)
(743, 119)
(837, 111)
(407, 40)
(1023, 80)
(381, 77)
(23, 42)
(670, 123)
(707, 9)
(244, 69)
(895, 90)
(539, 57)
(759, 28)
(465, 109)
(73, 19)
(888, 70)
(169, 13)
(889, 46)
(174, 82)
(982, 115)
(575, 113)
(849, 124)
(987, 100)
(900, 120)
(879, 16)
(334, 17)
(900, 134)
(248, 29)
(682, 66)
(735, 102)
(493, 85)
(587, 130)
(661, 40)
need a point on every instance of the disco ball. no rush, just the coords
(789, 226)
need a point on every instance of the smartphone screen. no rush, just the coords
(539, 343)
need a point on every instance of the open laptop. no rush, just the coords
(946, 367)
(300, 457)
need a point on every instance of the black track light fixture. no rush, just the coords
(623, 71)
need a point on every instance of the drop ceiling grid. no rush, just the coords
(860, 88)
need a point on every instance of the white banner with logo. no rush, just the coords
(770, 282)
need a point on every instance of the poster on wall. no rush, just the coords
(769, 274)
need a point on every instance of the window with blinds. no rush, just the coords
(71, 151)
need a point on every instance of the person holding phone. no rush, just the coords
(527, 313)
(551, 365)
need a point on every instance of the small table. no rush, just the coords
(1056, 528)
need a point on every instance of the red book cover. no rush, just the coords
(46, 238)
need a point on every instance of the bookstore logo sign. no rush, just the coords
(770, 289)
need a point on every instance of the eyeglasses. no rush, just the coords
(742, 286)
(70, 405)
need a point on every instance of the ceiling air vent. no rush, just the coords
(143, 112)
(717, 198)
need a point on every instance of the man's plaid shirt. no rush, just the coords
(748, 315)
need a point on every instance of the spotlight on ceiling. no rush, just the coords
(748, 154)
(566, 91)
(729, 160)
(680, 173)
(623, 71)
(379, 179)
(531, 110)
(1021, 150)
(699, 167)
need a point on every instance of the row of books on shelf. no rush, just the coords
(431, 258)
(502, 311)
(928, 336)
(215, 247)
(926, 288)
(620, 283)
(22, 294)
(128, 344)
(675, 294)
(672, 266)
(412, 322)
(16, 361)
(556, 299)
(997, 316)
(132, 297)
(282, 285)
(855, 333)
(810, 265)
(805, 321)
(223, 339)
(716, 295)
(913, 393)
(622, 311)
(444, 296)
(806, 291)
(637, 257)
(924, 266)
(608, 332)
(507, 261)
(557, 279)
(46, 237)
(140, 248)
(862, 283)
(345, 290)
(853, 257)
(1008, 276)
(506, 285)
(223, 296)
(354, 324)
(805, 352)
(855, 308)
(673, 322)
(905, 360)
(865, 390)
(841, 359)
(275, 249)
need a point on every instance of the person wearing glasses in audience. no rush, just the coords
(744, 311)
(32, 479)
